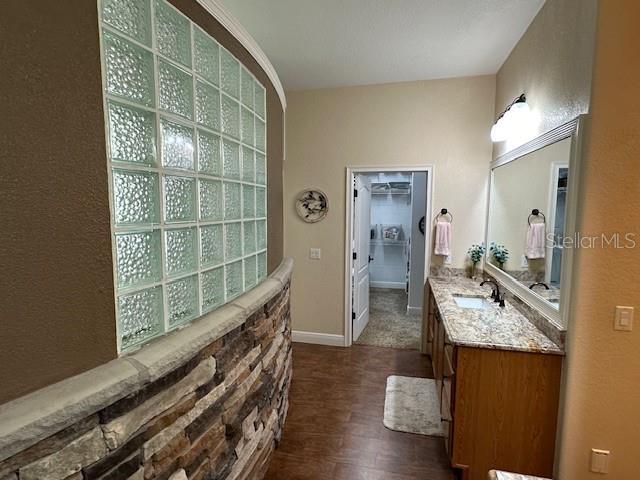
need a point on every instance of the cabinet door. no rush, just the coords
(448, 374)
(446, 394)
(438, 348)
(506, 409)
(430, 324)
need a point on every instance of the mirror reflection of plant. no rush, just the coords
(499, 253)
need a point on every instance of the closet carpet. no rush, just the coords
(389, 323)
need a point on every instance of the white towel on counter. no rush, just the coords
(535, 247)
(443, 239)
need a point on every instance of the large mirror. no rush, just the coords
(528, 218)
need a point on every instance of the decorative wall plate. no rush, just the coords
(312, 205)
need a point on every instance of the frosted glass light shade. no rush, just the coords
(498, 132)
(515, 121)
(520, 108)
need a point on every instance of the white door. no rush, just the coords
(361, 238)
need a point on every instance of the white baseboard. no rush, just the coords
(398, 285)
(417, 310)
(318, 338)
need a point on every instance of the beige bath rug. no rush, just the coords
(411, 405)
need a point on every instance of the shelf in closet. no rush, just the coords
(388, 242)
(391, 193)
(391, 188)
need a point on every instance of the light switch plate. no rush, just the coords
(599, 460)
(623, 319)
(315, 253)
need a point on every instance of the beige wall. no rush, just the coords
(603, 367)
(552, 65)
(444, 123)
(57, 312)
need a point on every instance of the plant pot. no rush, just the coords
(473, 271)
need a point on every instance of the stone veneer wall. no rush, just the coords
(208, 401)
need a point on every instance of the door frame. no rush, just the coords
(551, 215)
(349, 225)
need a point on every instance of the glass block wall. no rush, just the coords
(186, 129)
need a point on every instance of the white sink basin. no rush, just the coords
(472, 302)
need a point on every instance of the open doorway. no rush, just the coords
(386, 263)
(558, 192)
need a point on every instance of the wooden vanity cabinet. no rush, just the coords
(429, 323)
(500, 406)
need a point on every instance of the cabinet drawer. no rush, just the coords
(448, 368)
(448, 374)
(446, 416)
(448, 381)
(445, 402)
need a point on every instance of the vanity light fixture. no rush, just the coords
(511, 119)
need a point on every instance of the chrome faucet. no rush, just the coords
(495, 293)
(538, 283)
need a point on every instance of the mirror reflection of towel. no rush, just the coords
(443, 239)
(535, 247)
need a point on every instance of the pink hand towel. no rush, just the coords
(535, 247)
(443, 239)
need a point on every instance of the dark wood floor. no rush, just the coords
(334, 427)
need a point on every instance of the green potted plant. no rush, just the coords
(475, 253)
(499, 253)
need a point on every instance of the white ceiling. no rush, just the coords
(330, 43)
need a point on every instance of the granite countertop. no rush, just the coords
(551, 295)
(494, 327)
(500, 475)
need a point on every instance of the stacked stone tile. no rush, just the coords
(217, 416)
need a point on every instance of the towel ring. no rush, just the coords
(536, 213)
(444, 212)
